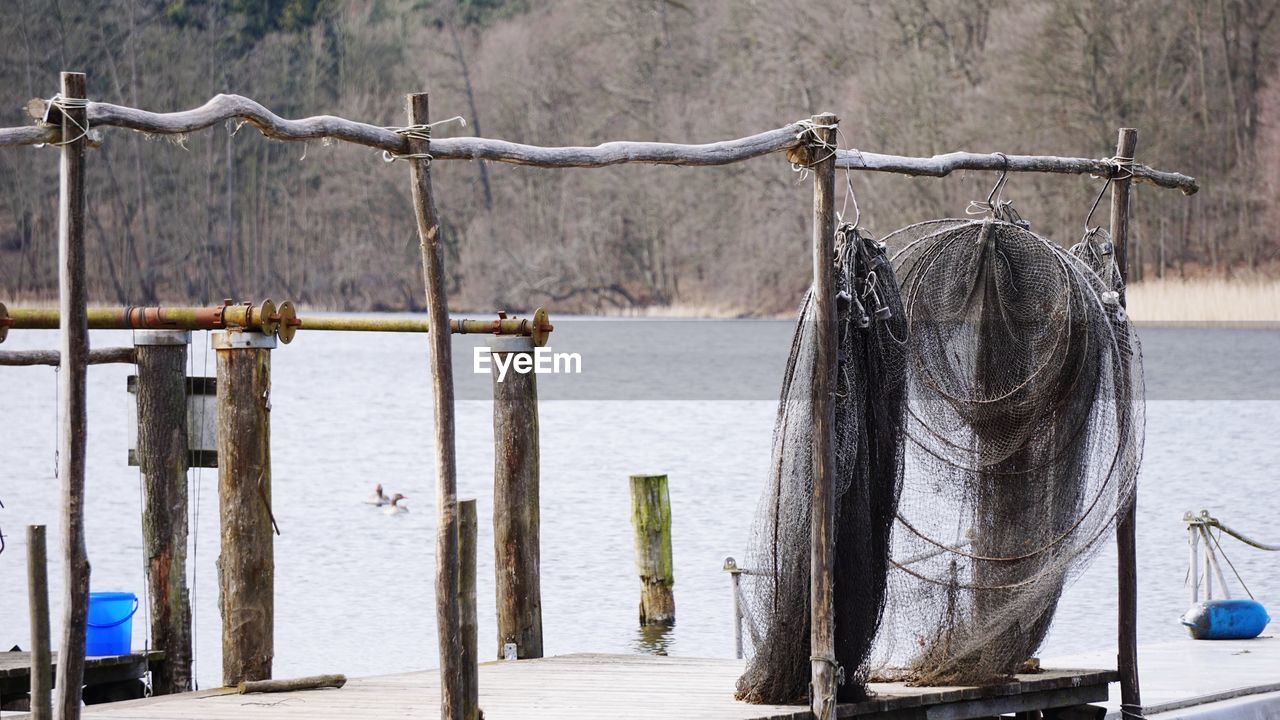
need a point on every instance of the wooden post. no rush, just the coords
(38, 601)
(162, 458)
(515, 503)
(1126, 542)
(72, 423)
(447, 615)
(246, 565)
(467, 608)
(822, 701)
(651, 519)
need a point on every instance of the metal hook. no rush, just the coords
(1096, 201)
(997, 192)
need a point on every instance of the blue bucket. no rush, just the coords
(109, 630)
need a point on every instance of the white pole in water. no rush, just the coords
(1193, 538)
(1208, 565)
(1213, 562)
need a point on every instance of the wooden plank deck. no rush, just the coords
(15, 669)
(1192, 678)
(605, 686)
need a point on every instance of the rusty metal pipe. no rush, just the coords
(266, 318)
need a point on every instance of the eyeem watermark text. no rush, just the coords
(542, 360)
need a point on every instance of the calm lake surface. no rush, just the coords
(694, 399)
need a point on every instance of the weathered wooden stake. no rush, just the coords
(72, 423)
(822, 536)
(447, 615)
(1126, 542)
(651, 519)
(38, 601)
(467, 608)
(246, 566)
(515, 502)
(162, 458)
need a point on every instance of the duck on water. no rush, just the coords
(395, 508)
(377, 498)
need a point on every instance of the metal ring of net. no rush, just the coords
(1024, 429)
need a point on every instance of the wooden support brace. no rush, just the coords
(516, 514)
(822, 514)
(1126, 540)
(72, 410)
(162, 459)
(246, 565)
(448, 619)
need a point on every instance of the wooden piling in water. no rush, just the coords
(821, 161)
(72, 423)
(246, 565)
(441, 363)
(516, 514)
(162, 459)
(38, 604)
(1126, 530)
(468, 623)
(651, 520)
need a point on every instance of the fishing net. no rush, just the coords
(1024, 436)
(869, 422)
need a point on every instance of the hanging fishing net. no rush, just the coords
(869, 422)
(1024, 436)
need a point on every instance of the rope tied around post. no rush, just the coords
(803, 158)
(420, 131)
(829, 701)
(64, 104)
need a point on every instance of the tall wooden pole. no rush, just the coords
(38, 602)
(72, 424)
(467, 608)
(448, 618)
(246, 565)
(1126, 542)
(515, 503)
(822, 513)
(162, 458)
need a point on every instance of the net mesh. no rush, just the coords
(979, 465)
(869, 422)
(1025, 431)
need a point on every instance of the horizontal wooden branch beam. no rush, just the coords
(223, 108)
(615, 153)
(943, 165)
(51, 357)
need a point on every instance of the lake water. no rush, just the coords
(694, 399)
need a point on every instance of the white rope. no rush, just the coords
(64, 104)
(420, 131)
(809, 134)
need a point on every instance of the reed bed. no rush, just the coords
(1205, 301)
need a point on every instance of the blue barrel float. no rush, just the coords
(109, 630)
(1226, 619)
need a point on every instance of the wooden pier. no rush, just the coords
(105, 678)
(616, 686)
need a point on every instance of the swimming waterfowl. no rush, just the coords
(377, 498)
(395, 508)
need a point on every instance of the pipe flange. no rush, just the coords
(288, 325)
(541, 327)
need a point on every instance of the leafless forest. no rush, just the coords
(227, 214)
